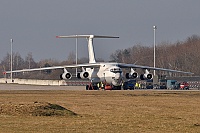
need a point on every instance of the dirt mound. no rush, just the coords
(35, 109)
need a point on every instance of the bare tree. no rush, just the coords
(29, 61)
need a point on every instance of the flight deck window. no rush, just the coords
(116, 70)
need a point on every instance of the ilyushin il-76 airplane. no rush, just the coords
(107, 73)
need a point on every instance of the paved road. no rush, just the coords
(36, 87)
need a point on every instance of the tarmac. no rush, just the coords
(38, 87)
(13, 86)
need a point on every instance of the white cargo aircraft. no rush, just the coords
(107, 73)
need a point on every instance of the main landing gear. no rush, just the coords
(101, 86)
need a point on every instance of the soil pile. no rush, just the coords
(35, 109)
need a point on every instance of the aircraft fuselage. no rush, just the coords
(107, 73)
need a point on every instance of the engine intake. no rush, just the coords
(146, 76)
(83, 75)
(131, 76)
(66, 75)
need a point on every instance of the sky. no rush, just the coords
(34, 25)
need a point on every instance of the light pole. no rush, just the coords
(154, 50)
(76, 53)
(11, 60)
(76, 47)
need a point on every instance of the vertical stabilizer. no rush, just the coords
(91, 50)
(90, 43)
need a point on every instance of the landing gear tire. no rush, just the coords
(87, 87)
(117, 87)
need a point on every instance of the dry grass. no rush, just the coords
(34, 109)
(106, 111)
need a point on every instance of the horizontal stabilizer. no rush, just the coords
(90, 43)
(86, 36)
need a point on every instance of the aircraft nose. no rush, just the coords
(117, 80)
(117, 76)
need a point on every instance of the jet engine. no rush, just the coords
(132, 75)
(83, 75)
(147, 75)
(66, 75)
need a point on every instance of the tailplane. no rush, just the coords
(90, 43)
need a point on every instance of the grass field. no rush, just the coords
(106, 111)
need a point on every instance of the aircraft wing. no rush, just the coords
(88, 65)
(122, 65)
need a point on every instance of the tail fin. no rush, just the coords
(90, 43)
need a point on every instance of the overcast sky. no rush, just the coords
(34, 25)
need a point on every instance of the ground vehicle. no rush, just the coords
(184, 86)
(101, 86)
(149, 84)
(169, 84)
(130, 84)
(163, 84)
(92, 87)
(172, 84)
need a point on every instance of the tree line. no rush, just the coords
(182, 55)
(28, 62)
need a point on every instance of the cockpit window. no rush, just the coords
(116, 70)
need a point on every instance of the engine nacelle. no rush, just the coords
(66, 75)
(83, 75)
(146, 76)
(131, 75)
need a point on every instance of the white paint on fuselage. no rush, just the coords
(107, 72)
